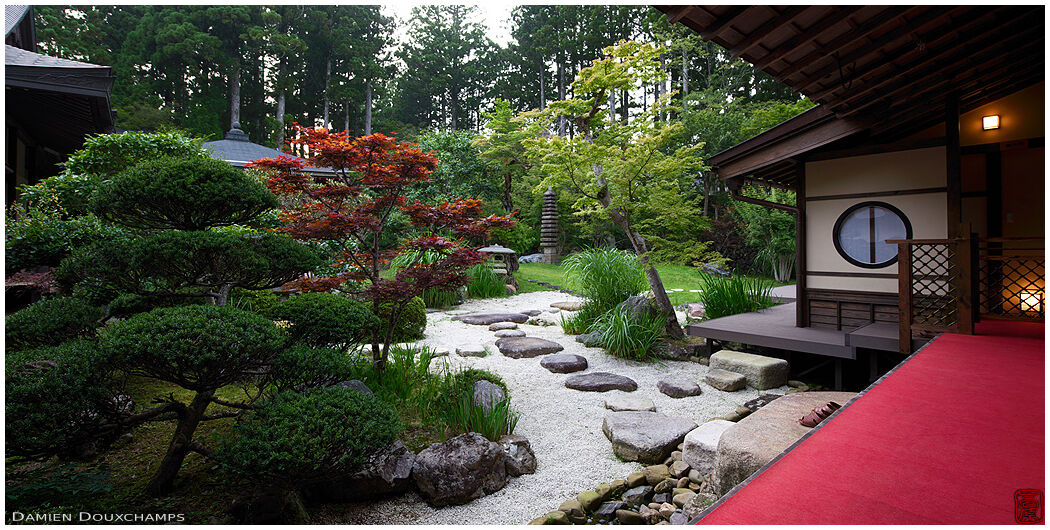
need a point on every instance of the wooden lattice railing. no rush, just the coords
(946, 285)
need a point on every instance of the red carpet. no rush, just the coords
(945, 439)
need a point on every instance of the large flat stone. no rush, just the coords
(646, 437)
(601, 382)
(757, 439)
(760, 371)
(564, 363)
(486, 319)
(700, 448)
(567, 306)
(526, 347)
(499, 326)
(725, 380)
(619, 402)
(679, 386)
(506, 333)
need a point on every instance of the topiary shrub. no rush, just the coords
(326, 320)
(182, 193)
(299, 367)
(410, 324)
(50, 323)
(305, 437)
(59, 400)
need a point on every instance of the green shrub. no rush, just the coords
(605, 277)
(303, 437)
(580, 322)
(410, 323)
(57, 398)
(198, 347)
(724, 296)
(126, 305)
(431, 297)
(298, 367)
(70, 191)
(440, 298)
(109, 154)
(326, 320)
(523, 238)
(260, 301)
(41, 234)
(485, 283)
(629, 336)
(407, 381)
(50, 323)
(46, 488)
(182, 193)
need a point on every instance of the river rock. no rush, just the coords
(486, 319)
(646, 437)
(527, 347)
(520, 460)
(637, 495)
(356, 385)
(607, 510)
(459, 470)
(679, 386)
(601, 382)
(629, 517)
(564, 363)
(619, 402)
(590, 340)
(679, 517)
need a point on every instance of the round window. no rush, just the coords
(862, 230)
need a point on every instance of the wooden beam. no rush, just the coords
(801, 299)
(953, 163)
(873, 46)
(681, 13)
(805, 36)
(895, 76)
(904, 297)
(764, 30)
(820, 135)
(727, 19)
(836, 44)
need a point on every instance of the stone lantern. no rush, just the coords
(503, 261)
(549, 234)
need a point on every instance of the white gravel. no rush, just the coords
(564, 426)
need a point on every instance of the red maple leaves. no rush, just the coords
(345, 194)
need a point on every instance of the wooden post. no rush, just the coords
(953, 163)
(801, 300)
(904, 296)
(964, 288)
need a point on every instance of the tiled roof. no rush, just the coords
(18, 57)
(12, 16)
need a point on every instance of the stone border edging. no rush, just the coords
(806, 436)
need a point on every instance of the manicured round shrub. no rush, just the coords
(326, 320)
(57, 398)
(109, 154)
(410, 324)
(50, 323)
(298, 367)
(196, 347)
(182, 193)
(312, 436)
(43, 236)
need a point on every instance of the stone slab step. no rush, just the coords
(761, 372)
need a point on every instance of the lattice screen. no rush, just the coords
(934, 291)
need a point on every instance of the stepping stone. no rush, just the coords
(510, 333)
(458, 312)
(620, 402)
(544, 320)
(679, 386)
(701, 445)
(491, 318)
(476, 350)
(725, 380)
(564, 363)
(601, 382)
(646, 437)
(761, 401)
(519, 347)
(531, 312)
(498, 326)
(762, 372)
(554, 310)
(568, 306)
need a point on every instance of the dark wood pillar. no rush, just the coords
(801, 300)
(953, 163)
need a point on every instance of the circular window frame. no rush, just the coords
(835, 233)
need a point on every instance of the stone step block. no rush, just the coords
(760, 371)
(725, 380)
(701, 445)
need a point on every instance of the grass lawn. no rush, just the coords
(673, 276)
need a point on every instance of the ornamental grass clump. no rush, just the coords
(630, 336)
(724, 296)
(606, 277)
(485, 282)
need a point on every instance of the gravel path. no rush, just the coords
(563, 425)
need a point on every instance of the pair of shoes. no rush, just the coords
(818, 415)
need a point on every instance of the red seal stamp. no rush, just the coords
(1028, 506)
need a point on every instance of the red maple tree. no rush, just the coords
(350, 208)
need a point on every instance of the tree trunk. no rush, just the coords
(561, 96)
(280, 119)
(625, 105)
(452, 105)
(707, 194)
(685, 75)
(543, 93)
(612, 106)
(368, 107)
(164, 479)
(235, 96)
(327, 99)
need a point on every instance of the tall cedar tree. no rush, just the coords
(351, 208)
